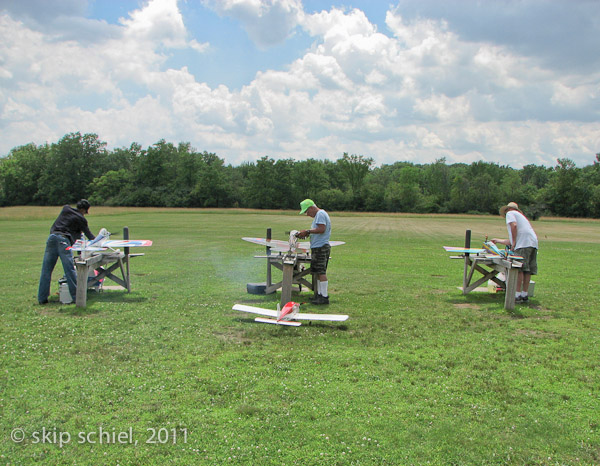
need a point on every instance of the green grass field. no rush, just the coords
(419, 374)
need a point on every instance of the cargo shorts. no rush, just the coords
(320, 259)
(529, 260)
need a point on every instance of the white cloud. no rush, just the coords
(267, 22)
(159, 22)
(48, 79)
(420, 93)
(443, 108)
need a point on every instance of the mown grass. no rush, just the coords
(419, 374)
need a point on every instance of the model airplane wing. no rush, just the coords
(332, 317)
(292, 317)
(464, 250)
(79, 247)
(305, 245)
(275, 244)
(489, 249)
(126, 243)
(284, 246)
(291, 323)
(112, 244)
(255, 310)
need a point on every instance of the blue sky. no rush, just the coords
(507, 81)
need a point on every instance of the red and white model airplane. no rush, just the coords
(103, 242)
(291, 246)
(287, 315)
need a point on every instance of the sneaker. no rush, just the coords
(524, 299)
(320, 300)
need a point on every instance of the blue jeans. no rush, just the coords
(56, 247)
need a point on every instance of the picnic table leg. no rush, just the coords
(269, 277)
(286, 285)
(82, 280)
(126, 260)
(467, 261)
(511, 288)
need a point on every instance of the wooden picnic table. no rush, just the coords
(105, 263)
(295, 268)
(97, 262)
(490, 267)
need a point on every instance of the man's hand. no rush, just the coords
(501, 241)
(303, 234)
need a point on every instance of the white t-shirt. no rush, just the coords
(526, 237)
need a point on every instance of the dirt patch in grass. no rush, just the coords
(466, 306)
(234, 335)
(536, 334)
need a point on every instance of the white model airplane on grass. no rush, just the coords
(288, 315)
(291, 246)
(103, 242)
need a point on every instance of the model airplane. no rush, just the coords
(292, 245)
(103, 242)
(488, 248)
(287, 315)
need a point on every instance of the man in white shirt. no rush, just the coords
(524, 242)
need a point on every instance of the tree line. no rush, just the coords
(167, 175)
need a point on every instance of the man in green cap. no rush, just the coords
(319, 233)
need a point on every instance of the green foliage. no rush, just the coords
(70, 166)
(309, 177)
(355, 168)
(111, 188)
(20, 174)
(179, 176)
(269, 184)
(566, 194)
(212, 187)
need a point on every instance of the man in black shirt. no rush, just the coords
(65, 230)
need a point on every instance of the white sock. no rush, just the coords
(323, 289)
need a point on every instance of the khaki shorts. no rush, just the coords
(320, 259)
(529, 260)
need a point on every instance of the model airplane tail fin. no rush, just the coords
(288, 311)
(278, 311)
(293, 241)
(103, 235)
(295, 310)
(491, 247)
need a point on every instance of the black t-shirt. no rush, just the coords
(71, 223)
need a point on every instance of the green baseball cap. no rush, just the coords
(305, 204)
